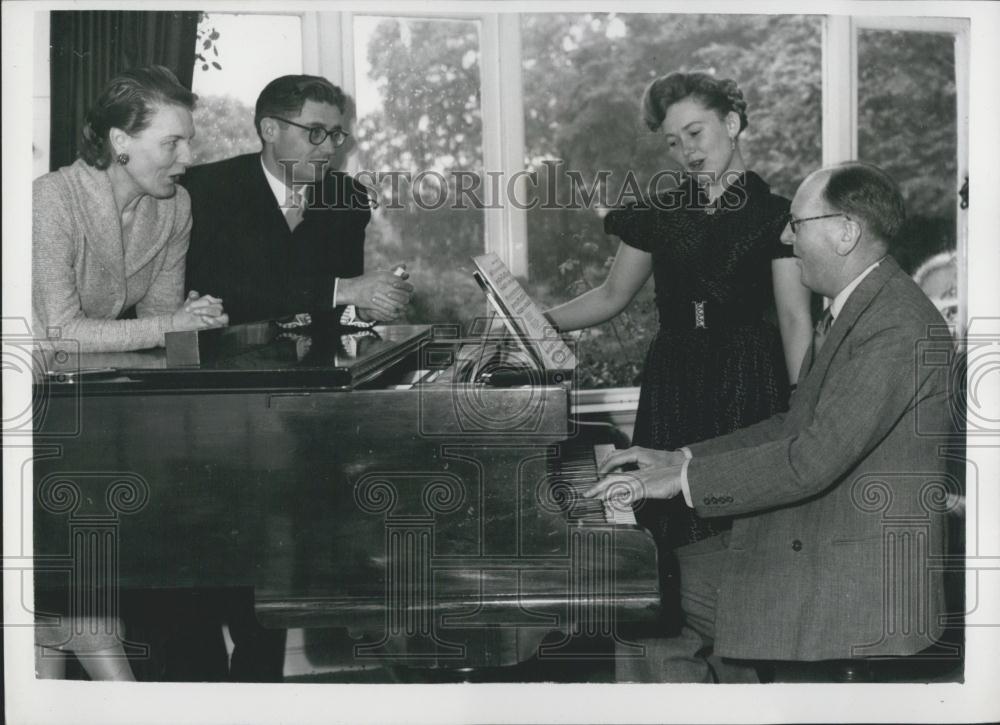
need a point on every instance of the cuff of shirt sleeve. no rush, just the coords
(349, 316)
(685, 488)
(336, 281)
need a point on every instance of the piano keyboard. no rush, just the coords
(574, 474)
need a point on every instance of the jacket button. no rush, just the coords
(796, 545)
(707, 500)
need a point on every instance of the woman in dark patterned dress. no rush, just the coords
(712, 245)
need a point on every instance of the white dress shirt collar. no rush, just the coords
(841, 299)
(281, 193)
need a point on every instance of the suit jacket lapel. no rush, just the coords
(275, 228)
(807, 360)
(145, 237)
(857, 303)
(91, 189)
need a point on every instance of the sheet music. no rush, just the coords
(525, 314)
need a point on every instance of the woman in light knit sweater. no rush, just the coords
(110, 231)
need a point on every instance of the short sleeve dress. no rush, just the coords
(716, 363)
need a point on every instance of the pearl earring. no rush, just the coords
(122, 158)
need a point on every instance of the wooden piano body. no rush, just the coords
(430, 516)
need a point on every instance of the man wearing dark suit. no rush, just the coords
(829, 556)
(276, 234)
(282, 232)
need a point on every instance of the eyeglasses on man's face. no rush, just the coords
(794, 223)
(318, 134)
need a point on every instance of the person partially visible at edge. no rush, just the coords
(110, 231)
(717, 363)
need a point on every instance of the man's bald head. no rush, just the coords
(866, 193)
(843, 219)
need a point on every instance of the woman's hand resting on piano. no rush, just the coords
(659, 475)
(198, 312)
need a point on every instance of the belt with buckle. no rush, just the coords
(706, 315)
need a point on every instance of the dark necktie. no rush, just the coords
(293, 214)
(822, 328)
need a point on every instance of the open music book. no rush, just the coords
(522, 316)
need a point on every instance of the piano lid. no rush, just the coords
(255, 355)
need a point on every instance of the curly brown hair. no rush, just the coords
(720, 94)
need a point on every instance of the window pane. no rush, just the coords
(907, 124)
(419, 117)
(235, 57)
(583, 80)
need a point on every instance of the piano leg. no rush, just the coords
(258, 652)
(183, 631)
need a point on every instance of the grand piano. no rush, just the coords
(417, 488)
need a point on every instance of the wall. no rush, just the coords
(40, 98)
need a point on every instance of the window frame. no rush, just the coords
(840, 109)
(506, 228)
(503, 119)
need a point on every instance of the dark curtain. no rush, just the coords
(90, 47)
